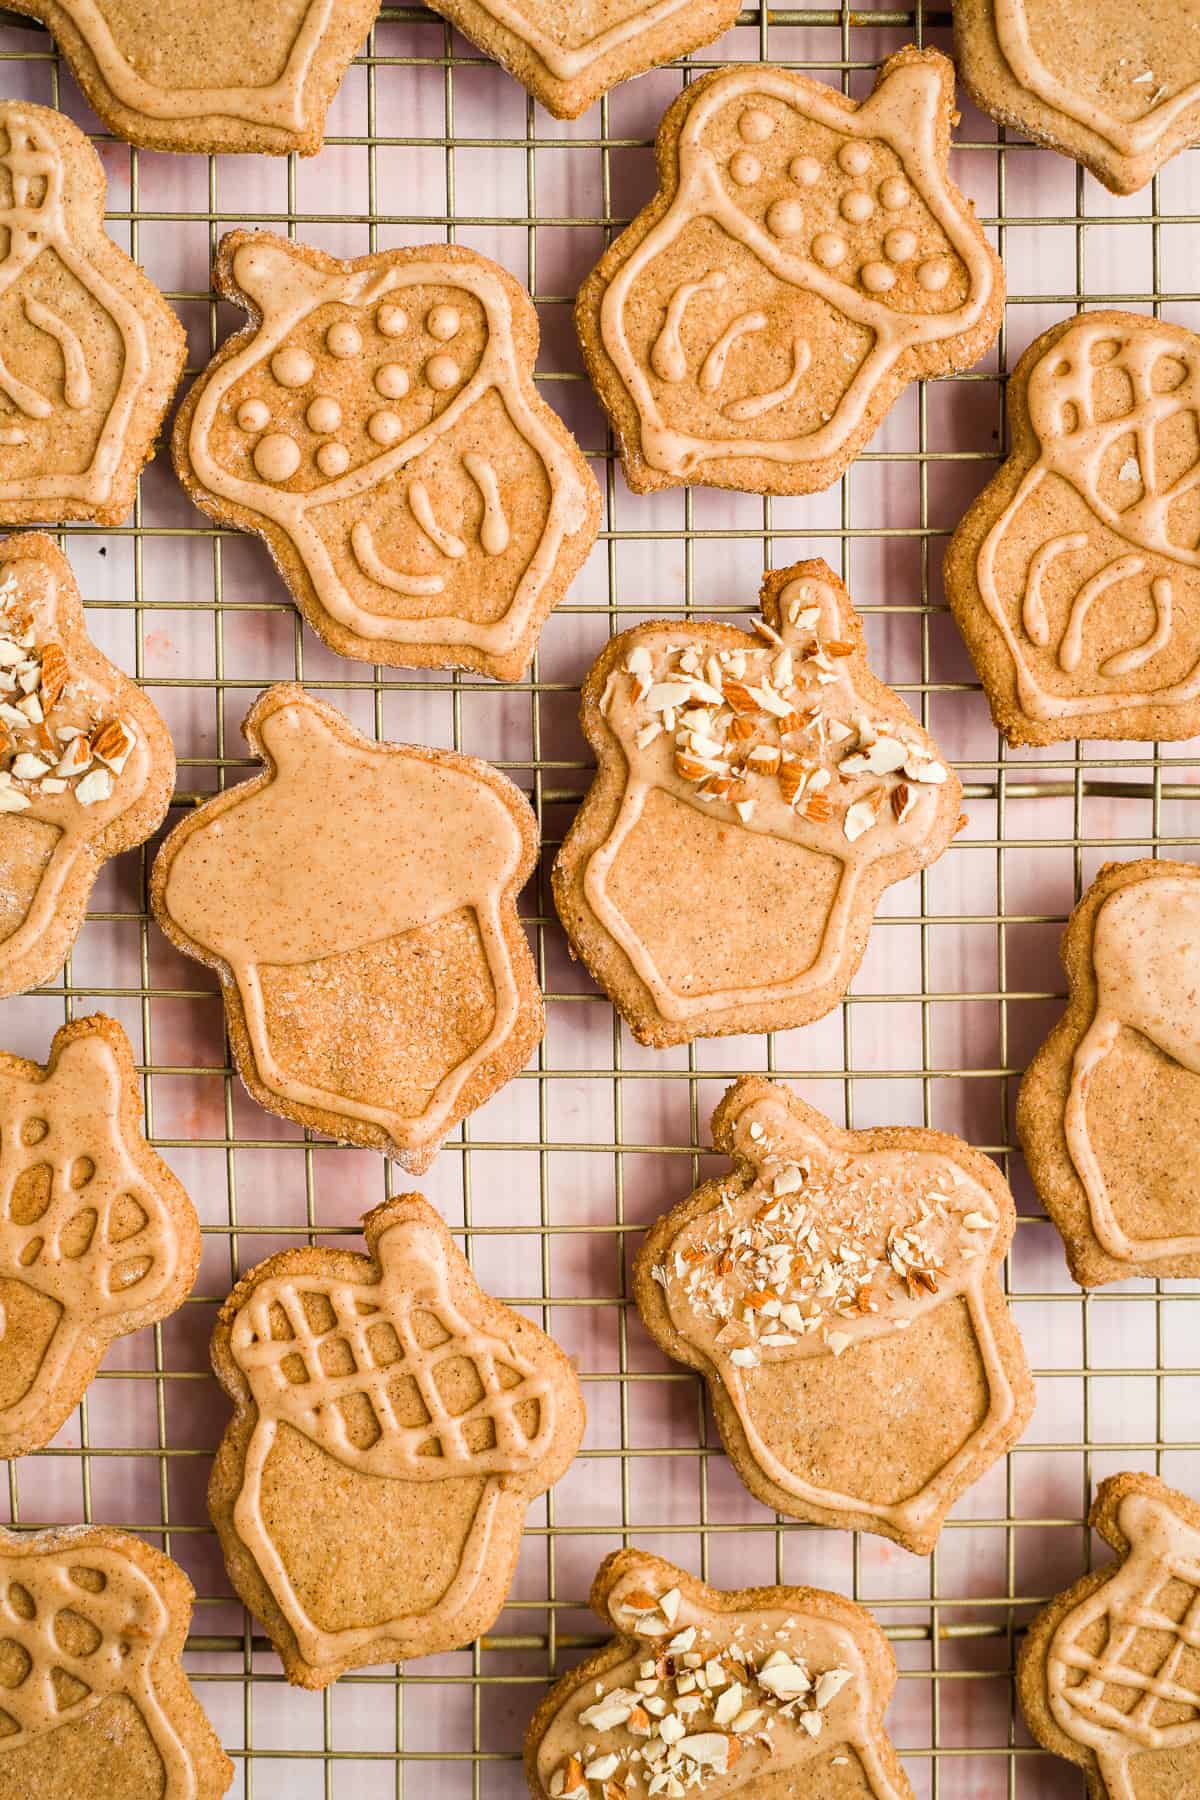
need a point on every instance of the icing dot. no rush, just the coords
(755, 125)
(855, 159)
(343, 339)
(333, 459)
(805, 170)
(900, 246)
(785, 218)
(894, 194)
(292, 368)
(324, 414)
(857, 207)
(276, 456)
(744, 168)
(934, 274)
(443, 323)
(252, 415)
(391, 381)
(876, 277)
(391, 320)
(384, 428)
(442, 372)
(829, 248)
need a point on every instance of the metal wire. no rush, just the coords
(612, 1132)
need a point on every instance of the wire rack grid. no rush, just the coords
(552, 1183)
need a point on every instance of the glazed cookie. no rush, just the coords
(202, 74)
(567, 55)
(97, 1237)
(1075, 576)
(1109, 1674)
(358, 900)
(775, 1692)
(805, 258)
(1109, 1110)
(95, 1699)
(377, 425)
(825, 1289)
(754, 796)
(393, 1422)
(1115, 86)
(90, 352)
(86, 764)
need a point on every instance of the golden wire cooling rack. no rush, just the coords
(553, 1181)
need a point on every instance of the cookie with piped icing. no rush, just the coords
(778, 1692)
(804, 259)
(97, 1236)
(1109, 1110)
(1109, 1673)
(392, 1425)
(199, 75)
(90, 352)
(87, 767)
(569, 52)
(1075, 576)
(755, 794)
(825, 1288)
(1115, 86)
(377, 424)
(358, 900)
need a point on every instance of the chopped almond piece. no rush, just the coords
(54, 674)
(689, 768)
(836, 647)
(818, 809)
(640, 1601)
(739, 697)
(112, 744)
(741, 728)
(900, 795)
(791, 778)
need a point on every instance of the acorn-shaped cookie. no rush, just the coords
(827, 1290)
(393, 1423)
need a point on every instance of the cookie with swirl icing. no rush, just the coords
(754, 796)
(824, 1289)
(1075, 576)
(804, 259)
(392, 1424)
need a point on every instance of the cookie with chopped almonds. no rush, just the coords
(828, 1288)
(775, 1692)
(754, 796)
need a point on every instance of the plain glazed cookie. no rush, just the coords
(87, 767)
(358, 900)
(1115, 85)
(1109, 1673)
(804, 259)
(772, 1692)
(393, 1422)
(97, 1237)
(377, 424)
(1075, 576)
(95, 1700)
(209, 75)
(754, 796)
(840, 1292)
(1109, 1110)
(90, 352)
(569, 52)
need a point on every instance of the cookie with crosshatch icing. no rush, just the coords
(826, 1289)
(358, 900)
(1075, 576)
(93, 1695)
(777, 1692)
(97, 1237)
(1115, 86)
(86, 764)
(377, 425)
(90, 352)
(200, 75)
(754, 796)
(1109, 1110)
(569, 52)
(805, 258)
(393, 1422)
(1109, 1673)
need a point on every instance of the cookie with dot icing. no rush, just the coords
(804, 259)
(1109, 1110)
(1109, 1673)
(824, 1289)
(754, 796)
(377, 425)
(1075, 576)
(1115, 86)
(777, 1692)
(393, 1423)
(358, 900)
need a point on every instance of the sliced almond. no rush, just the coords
(791, 778)
(741, 729)
(837, 647)
(112, 744)
(818, 809)
(738, 695)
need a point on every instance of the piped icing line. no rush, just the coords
(566, 62)
(77, 383)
